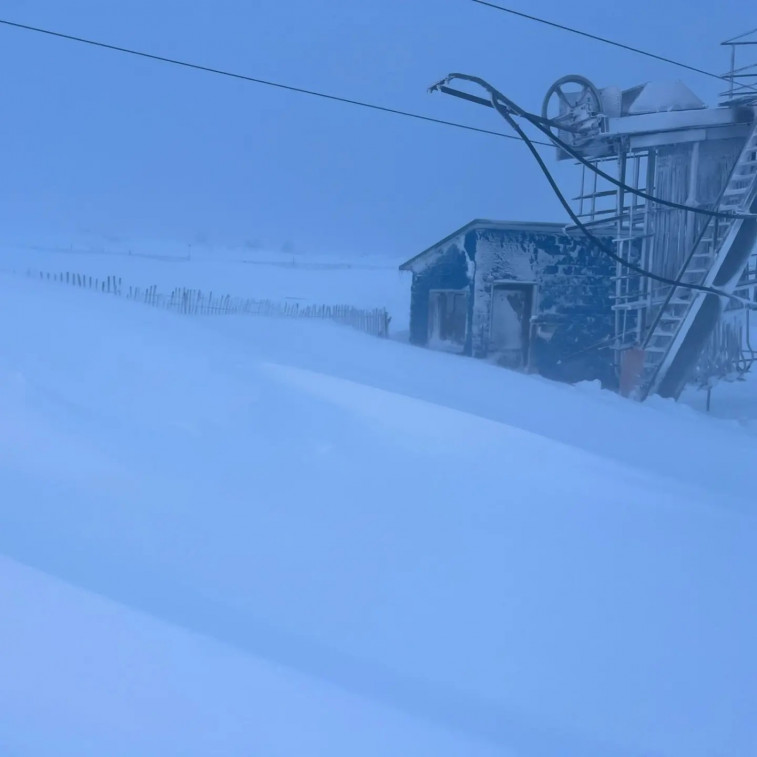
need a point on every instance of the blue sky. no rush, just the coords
(99, 142)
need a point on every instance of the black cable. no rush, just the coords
(537, 122)
(504, 106)
(252, 79)
(734, 40)
(597, 38)
(504, 111)
(602, 344)
(627, 187)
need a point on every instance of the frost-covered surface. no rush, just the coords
(444, 345)
(664, 96)
(572, 299)
(571, 302)
(409, 552)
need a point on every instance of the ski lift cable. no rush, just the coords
(251, 79)
(597, 38)
(735, 40)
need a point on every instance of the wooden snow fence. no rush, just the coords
(195, 302)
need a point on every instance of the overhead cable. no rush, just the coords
(597, 38)
(251, 79)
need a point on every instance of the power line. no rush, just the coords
(733, 40)
(597, 38)
(254, 80)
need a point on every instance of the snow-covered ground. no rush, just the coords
(249, 536)
(362, 281)
(86, 676)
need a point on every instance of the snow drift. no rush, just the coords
(355, 537)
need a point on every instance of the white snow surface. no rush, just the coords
(241, 535)
(111, 681)
(665, 96)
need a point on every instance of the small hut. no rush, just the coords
(528, 296)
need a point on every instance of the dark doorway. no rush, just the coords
(447, 318)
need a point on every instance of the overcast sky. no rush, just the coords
(96, 141)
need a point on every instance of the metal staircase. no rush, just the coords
(685, 318)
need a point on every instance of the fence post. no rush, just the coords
(192, 302)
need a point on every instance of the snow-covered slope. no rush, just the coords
(84, 676)
(430, 545)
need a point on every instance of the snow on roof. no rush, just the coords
(664, 96)
(536, 227)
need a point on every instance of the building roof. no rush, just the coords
(482, 223)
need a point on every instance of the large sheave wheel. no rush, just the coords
(571, 106)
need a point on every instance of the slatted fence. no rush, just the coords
(198, 303)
